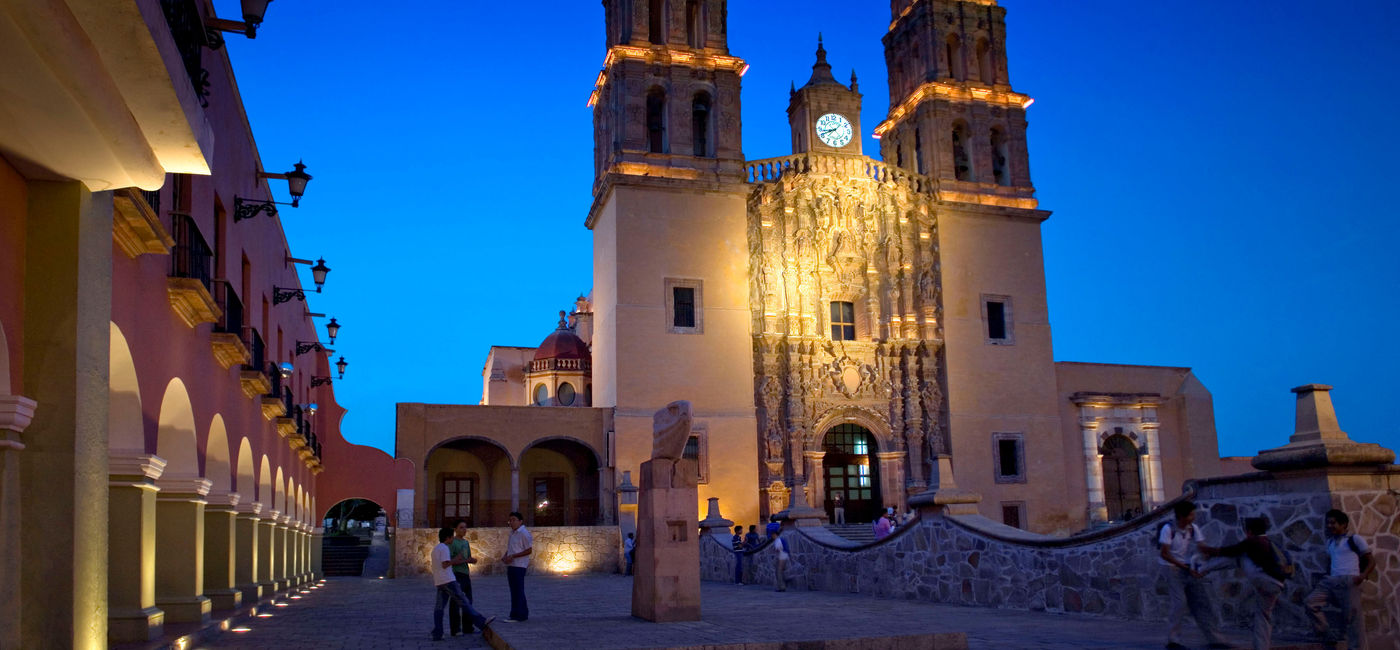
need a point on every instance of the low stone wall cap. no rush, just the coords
(1308, 388)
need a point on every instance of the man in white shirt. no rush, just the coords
(447, 587)
(1352, 564)
(781, 546)
(1177, 541)
(517, 560)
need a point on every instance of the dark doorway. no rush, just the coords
(850, 470)
(354, 531)
(1122, 478)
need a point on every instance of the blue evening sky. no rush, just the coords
(1218, 173)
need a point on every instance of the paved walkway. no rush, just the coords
(594, 612)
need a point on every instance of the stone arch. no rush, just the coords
(597, 458)
(559, 482)
(5, 362)
(125, 423)
(217, 467)
(265, 484)
(291, 511)
(176, 441)
(872, 421)
(246, 481)
(279, 491)
(474, 469)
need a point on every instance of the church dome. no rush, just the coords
(562, 344)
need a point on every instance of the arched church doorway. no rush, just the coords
(1122, 478)
(559, 484)
(851, 472)
(354, 543)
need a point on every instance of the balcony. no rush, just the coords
(275, 403)
(254, 377)
(227, 338)
(136, 226)
(191, 278)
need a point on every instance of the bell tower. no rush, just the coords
(666, 103)
(670, 230)
(824, 113)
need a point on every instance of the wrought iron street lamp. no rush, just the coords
(253, 13)
(340, 365)
(296, 186)
(320, 381)
(333, 330)
(306, 346)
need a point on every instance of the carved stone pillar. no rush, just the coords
(318, 535)
(816, 479)
(1153, 492)
(916, 483)
(514, 492)
(306, 574)
(267, 531)
(279, 554)
(132, 615)
(1093, 470)
(220, 530)
(246, 551)
(15, 414)
(180, 549)
(891, 478)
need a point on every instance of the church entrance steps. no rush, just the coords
(859, 533)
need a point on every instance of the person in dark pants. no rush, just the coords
(737, 545)
(629, 547)
(462, 560)
(447, 587)
(517, 560)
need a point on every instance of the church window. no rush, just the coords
(999, 171)
(919, 151)
(700, 124)
(843, 321)
(962, 165)
(541, 395)
(996, 312)
(685, 313)
(656, 25)
(985, 72)
(1010, 457)
(695, 23)
(954, 50)
(566, 394)
(1013, 513)
(656, 120)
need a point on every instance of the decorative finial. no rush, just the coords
(563, 318)
(854, 84)
(792, 89)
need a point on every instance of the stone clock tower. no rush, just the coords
(669, 222)
(825, 114)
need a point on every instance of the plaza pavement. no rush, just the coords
(593, 611)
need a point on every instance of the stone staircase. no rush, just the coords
(344, 555)
(859, 533)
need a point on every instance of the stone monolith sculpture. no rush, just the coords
(666, 563)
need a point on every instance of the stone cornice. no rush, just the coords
(249, 509)
(16, 412)
(186, 487)
(223, 500)
(270, 516)
(148, 466)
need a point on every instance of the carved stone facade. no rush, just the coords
(832, 228)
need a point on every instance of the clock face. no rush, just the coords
(834, 130)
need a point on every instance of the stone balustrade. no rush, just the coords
(773, 169)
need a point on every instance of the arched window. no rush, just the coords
(566, 394)
(955, 58)
(695, 23)
(541, 395)
(999, 169)
(962, 164)
(656, 121)
(656, 25)
(700, 124)
(918, 151)
(985, 71)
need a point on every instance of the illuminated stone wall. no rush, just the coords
(557, 550)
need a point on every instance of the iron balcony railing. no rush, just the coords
(191, 257)
(232, 320)
(257, 352)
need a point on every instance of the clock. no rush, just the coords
(834, 130)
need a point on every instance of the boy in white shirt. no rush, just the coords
(447, 587)
(1177, 541)
(1352, 564)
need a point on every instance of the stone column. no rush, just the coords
(1093, 469)
(15, 415)
(1153, 492)
(317, 537)
(180, 549)
(245, 569)
(279, 553)
(267, 532)
(816, 479)
(132, 615)
(220, 550)
(891, 478)
(304, 552)
(514, 490)
(63, 469)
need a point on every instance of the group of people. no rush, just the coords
(743, 543)
(451, 562)
(1186, 559)
(889, 522)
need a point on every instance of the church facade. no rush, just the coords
(857, 328)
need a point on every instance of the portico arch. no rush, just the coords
(246, 482)
(470, 478)
(125, 423)
(175, 436)
(265, 483)
(5, 362)
(559, 482)
(216, 457)
(279, 492)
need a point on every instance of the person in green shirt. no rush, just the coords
(459, 622)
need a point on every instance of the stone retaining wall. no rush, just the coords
(970, 560)
(557, 550)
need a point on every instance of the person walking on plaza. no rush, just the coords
(781, 546)
(447, 587)
(1352, 564)
(1266, 568)
(517, 560)
(629, 545)
(736, 544)
(461, 552)
(1177, 542)
(838, 508)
